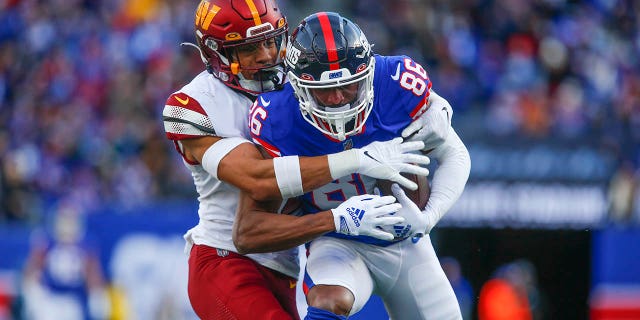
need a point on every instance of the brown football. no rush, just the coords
(420, 196)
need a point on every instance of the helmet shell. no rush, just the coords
(222, 25)
(329, 52)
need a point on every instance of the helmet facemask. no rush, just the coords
(256, 79)
(243, 43)
(342, 120)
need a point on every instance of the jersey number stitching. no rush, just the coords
(414, 80)
(256, 124)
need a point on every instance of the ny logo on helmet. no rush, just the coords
(365, 45)
(293, 54)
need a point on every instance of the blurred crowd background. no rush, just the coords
(83, 85)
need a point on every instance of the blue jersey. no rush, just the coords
(65, 267)
(401, 89)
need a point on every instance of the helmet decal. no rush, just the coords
(204, 15)
(293, 54)
(259, 29)
(232, 36)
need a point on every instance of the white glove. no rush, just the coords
(433, 125)
(416, 222)
(382, 160)
(363, 215)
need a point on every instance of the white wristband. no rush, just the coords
(343, 163)
(288, 176)
(214, 154)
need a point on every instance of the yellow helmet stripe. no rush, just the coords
(254, 12)
(212, 13)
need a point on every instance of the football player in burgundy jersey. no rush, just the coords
(341, 96)
(242, 44)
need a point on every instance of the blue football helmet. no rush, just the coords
(330, 66)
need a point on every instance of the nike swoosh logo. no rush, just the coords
(184, 102)
(366, 153)
(292, 284)
(265, 103)
(396, 76)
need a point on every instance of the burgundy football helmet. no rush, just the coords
(226, 27)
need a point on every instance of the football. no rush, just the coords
(420, 196)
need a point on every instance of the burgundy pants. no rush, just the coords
(234, 287)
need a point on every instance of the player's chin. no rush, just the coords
(250, 75)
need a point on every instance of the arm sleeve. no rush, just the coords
(449, 178)
(184, 118)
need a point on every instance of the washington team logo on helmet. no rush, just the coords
(225, 26)
(327, 51)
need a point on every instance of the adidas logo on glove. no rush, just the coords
(401, 231)
(356, 215)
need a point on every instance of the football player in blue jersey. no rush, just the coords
(63, 277)
(242, 45)
(342, 96)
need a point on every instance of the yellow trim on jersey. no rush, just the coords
(254, 12)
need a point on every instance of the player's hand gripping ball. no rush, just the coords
(419, 196)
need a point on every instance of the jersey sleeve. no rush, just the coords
(261, 126)
(184, 118)
(406, 85)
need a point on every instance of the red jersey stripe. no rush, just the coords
(420, 108)
(271, 150)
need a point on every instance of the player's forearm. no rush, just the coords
(450, 177)
(268, 179)
(266, 232)
(247, 170)
(315, 172)
(242, 165)
(286, 176)
(296, 175)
